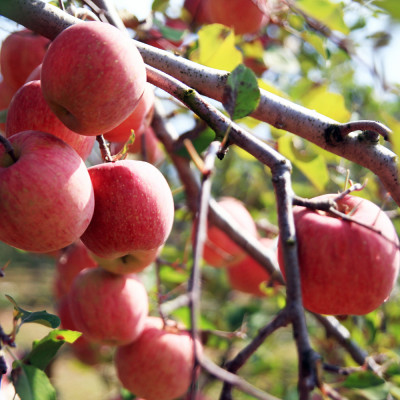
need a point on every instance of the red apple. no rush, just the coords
(92, 77)
(134, 209)
(73, 260)
(35, 74)
(46, 195)
(198, 9)
(159, 364)
(139, 119)
(244, 16)
(6, 94)
(84, 350)
(219, 249)
(21, 52)
(29, 110)
(248, 275)
(108, 308)
(345, 267)
(145, 146)
(130, 263)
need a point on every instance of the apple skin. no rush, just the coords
(130, 263)
(87, 352)
(140, 118)
(47, 198)
(73, 260)
(35, 74)
(21, 52)
(198, 9)
(247, 275)
(159, 364)
(29, 110)
(108, 308)
(101, 82)
(345, 268)
(219, 250)
(244, 16)
(6, 94)
(134, 209)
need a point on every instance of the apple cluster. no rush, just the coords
(348, 266)
(107, 221)
(220, 251)
(244, 16)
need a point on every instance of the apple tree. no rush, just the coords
(232, 233)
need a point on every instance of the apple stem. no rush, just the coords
(8, 148)
(104, 149)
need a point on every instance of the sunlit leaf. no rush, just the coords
(241, 93)
(217, 48)
(160, 5)
(45, 349)
(391, 6)
(327, 103)
(312, 166)
(325, 11)
(315, 41)
(31, 383)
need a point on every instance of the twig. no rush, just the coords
(104, 149)
(8, 148)
(280, 320)
(48, 20)
(198, 245)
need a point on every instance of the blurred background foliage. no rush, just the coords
(339, 58)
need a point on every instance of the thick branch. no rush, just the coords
(283, 114)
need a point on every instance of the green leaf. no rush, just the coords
(169, 33)
(45, 349)
(39, 317)
(216, 48)
(315, 41)
(362, 380)
(3, 116)
(325, 11)
(200, 143)
(31, 383)
(241, 93)
(172, 275)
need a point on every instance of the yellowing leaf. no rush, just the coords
(253, 49)
(271, 88)
(217, 48)
(394, 125)
(327, 12)
(312, 166)
(327, 103)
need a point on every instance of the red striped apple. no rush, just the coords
(29, 110)
(107, 308)
(248, 275)
(21, 52)
(219, 249)
(345, 267)
(244, 16)
(159, 364)
(92, 77)
(47, 198)
(73, 260)
(134, 210)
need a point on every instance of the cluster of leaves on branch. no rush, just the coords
(278, 131)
